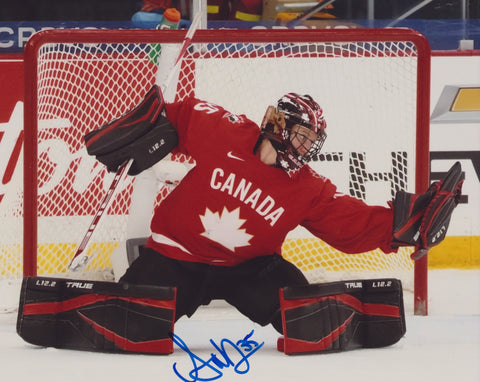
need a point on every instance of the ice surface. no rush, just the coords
(444, 346)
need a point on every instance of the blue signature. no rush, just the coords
(213, 366)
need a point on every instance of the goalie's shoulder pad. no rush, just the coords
(128, 127)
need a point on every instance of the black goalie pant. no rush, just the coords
(252, 287)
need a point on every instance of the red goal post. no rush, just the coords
(372, 83)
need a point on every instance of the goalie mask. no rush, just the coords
(296, 129)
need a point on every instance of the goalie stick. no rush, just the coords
(80, 258)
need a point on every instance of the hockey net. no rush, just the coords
(372, 85)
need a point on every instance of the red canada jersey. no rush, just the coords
(232, 207)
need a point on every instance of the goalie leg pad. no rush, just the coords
(341, 316)
(96, 316)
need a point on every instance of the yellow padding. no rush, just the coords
(213, 9)
(288, 16)
(313, 255)
(247, 16)
(456, 252)
(309, 254)
(55, 257)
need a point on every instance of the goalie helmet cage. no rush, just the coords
(372, 84)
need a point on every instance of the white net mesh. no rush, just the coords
(368, 91)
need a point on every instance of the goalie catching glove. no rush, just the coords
(422, 220)
(142, 134)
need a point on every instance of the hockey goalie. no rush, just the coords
(219, 233)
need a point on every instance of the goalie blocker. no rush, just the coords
(341, 316)
(142, 134)
(96, 316)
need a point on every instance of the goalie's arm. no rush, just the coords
(349, 224)
(421, 220)
(142, 134)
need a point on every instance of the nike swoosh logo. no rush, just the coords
(231, 155)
